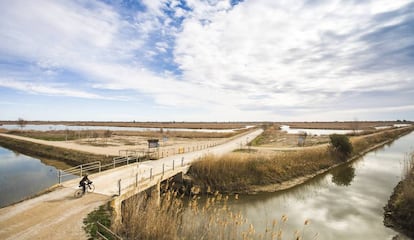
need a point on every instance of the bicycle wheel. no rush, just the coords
(78, 193)
(91, 188)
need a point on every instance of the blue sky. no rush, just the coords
(170, 60)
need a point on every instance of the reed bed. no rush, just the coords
(348, 125)
(399, 212)
(69, 156)
(178, 218)
(364, 142)
(236, 172)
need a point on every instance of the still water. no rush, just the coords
(346, 203)
(22, 176)
(311, 131)
(55, 127)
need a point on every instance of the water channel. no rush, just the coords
(56, 127)
(22, 176)
(346, 203)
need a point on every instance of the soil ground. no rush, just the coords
(58, 215)
(115, 144)
(41, 221)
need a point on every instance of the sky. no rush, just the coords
(177, 60)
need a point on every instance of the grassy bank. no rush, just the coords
(240, 172)
(399, 212)
(65, 135)
(71, 157)
(177, 218)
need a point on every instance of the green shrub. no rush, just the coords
(341, 145)
(102, 215)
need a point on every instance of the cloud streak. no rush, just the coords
(254, 60)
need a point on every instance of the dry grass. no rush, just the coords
(176, 218)
(400, 208)
(363, 142)
(273, 137)
(71, 157)
(63, 135)
(348, 125)
(235, 172)
(178, 134)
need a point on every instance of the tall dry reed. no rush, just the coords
(237, 171)
(177, 218)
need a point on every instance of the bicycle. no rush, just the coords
(89, 188)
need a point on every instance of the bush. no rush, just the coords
(102, 215)
(341, 146)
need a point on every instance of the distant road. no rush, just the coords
(58, 215)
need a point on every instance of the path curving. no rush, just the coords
(58, 215)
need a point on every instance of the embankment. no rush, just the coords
(253, 173)
(69, 156)
(399, 212)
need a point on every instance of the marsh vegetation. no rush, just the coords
(242, 172)
(399, 212)
(177, 217)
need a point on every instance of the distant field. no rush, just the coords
(351, 125)
(345, 125)
(64, 135)
(190, 125)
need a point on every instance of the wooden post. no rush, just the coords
(119, 187)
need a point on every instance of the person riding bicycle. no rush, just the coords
(85, 180)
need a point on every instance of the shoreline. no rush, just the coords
(256, 189)
(49, 151)
(291, 183)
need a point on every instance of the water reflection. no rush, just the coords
(343, 176)
(335, 211)
(22, 176)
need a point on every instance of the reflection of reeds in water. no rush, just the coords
(175, 218)
(408, 165)
(238, 172)
(408, 181)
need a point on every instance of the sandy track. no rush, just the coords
(114, 150)
(55, 215)
(110, 150)
(58, 215)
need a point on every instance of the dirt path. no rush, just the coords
(110, 150)
(55, 215)
(58, 215)
(115, 150)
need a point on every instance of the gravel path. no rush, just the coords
(58, 215)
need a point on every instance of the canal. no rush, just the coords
(346, 203)
(22, 176)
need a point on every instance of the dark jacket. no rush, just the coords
(85, 180)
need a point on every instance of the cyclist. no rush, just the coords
(85, 180)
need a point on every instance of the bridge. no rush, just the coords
(56, 214)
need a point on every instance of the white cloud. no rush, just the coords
(289, 52)
(238, 62)
(51, 90)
